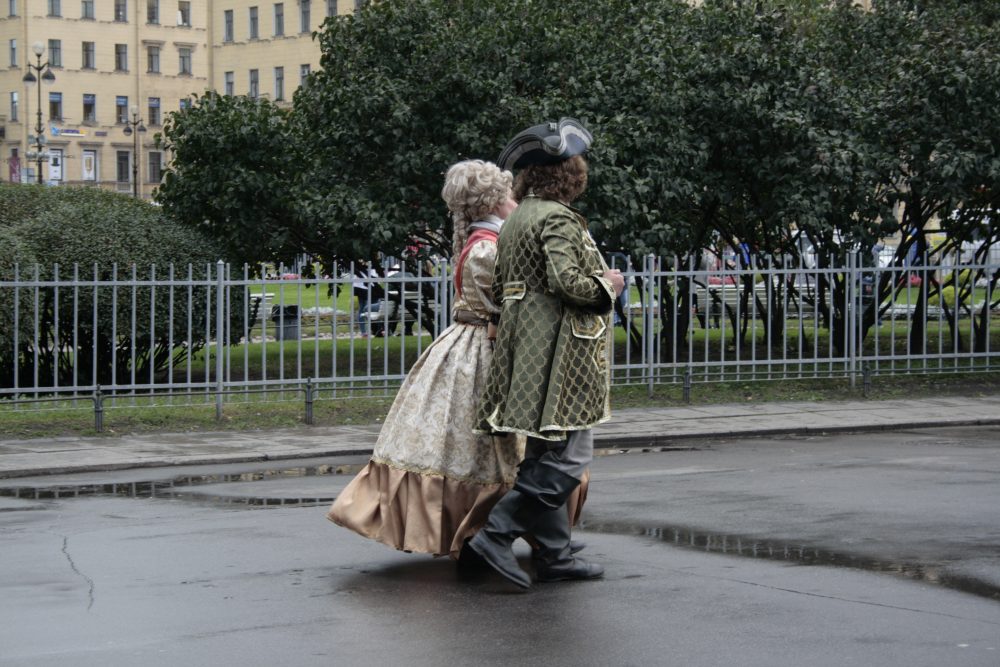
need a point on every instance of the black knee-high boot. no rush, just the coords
(538, 490)
(554, 560)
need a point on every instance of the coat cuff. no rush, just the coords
(606, 295)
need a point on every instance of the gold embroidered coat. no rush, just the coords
(550, 372)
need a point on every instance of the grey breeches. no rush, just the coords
(570, 456)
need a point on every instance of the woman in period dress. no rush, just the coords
(431, 481)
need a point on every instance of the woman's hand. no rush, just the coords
(491, 334)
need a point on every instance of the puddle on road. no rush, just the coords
(180, 487)
(754, 547)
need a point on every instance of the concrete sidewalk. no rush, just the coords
(630, 428)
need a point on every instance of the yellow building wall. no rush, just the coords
(82, 142)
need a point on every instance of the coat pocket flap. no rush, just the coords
(588, 326)
(514, 291)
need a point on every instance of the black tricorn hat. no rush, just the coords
(547, 143)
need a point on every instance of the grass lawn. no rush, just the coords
(257, 412)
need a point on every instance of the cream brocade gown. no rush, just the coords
(431, 481)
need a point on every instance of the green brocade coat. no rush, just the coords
(550, 371)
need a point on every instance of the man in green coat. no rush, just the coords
(550, 375)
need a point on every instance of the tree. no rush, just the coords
(935, 114)
(766, 124)
(234, 177)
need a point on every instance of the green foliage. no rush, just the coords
(87, 226)
(715, 124)
(233, 176)
(90, 234)
(12, 250)
(727, 121)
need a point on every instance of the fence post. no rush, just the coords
(850, 317)
(866, 373)
(687, 385)
(309, 401)
(220, 335)
(98, 410)
(649, 315)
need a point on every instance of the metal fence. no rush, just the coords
(205, 335)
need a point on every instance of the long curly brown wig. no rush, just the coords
(564, 181)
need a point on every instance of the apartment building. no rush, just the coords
(107, 72)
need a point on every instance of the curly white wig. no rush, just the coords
(473, 189)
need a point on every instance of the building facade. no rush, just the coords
(120, 66)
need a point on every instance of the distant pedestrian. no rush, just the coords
(361, 288)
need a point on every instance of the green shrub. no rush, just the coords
(88, 232)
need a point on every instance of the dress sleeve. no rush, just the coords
(562, 238)
(477, 278)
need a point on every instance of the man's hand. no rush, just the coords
(491, 333)
(616, 279)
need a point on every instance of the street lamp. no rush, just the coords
(39, 154)
(136, 123)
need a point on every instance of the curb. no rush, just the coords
(633, 442)
(625, 442)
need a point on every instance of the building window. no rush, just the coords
(153, 111)
(55, 8)
(121, 57)
(13, 106)
(123, 163)
(87, 61)
(184, 67)
(87, 9)
(55, 52)
(55, 106)
(13, 53)
(121, 109)
(185, 104)
(303, 73)
(152, 11)
(279, 83)
(358, 4)
(184, 13)
(89, 108)
(121, 11)
(304, 19)
(153, 59)
(279, 19)
(331, 7)
(228, 20)
(154, 172)
(253, 23)
(254, 84)
(12, 8)
(230, 84)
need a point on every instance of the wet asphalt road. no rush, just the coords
(844, 550)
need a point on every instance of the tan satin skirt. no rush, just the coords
(422, 513)
(431, 481)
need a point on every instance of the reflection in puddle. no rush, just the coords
(754, 547)
(180, 487)
(256, 501)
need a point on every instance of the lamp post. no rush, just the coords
(133, 128)
(39, 154)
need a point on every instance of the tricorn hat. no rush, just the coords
(547, 143)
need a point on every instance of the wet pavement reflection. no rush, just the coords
(180, 487)
(748, 546)
(197, 487)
